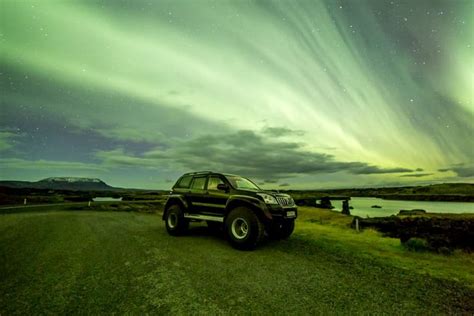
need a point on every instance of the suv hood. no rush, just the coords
(266, 192)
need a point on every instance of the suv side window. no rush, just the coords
(213, 182)
(198, 183)
(184, 182)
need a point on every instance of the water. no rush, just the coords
(362, 206)
(106, 199)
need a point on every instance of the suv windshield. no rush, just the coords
(242, 183)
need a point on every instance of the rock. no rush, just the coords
(439, 232)
(326, 203)
(412, 212)
(306, 202)
(300, 202)
(345, 207)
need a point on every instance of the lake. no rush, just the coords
(106, 199)
(362, 206)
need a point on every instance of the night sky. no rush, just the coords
(294, 94)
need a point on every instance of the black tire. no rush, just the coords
(282, 230)
(244, 229)
(176, 224)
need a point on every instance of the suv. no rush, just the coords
(232, 203)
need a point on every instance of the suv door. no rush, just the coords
(197, 193)
(216, 199)
(182, 187)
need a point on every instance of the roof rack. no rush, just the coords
(199, 172)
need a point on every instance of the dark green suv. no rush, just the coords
(232, 203)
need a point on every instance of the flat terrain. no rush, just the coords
(54, 260)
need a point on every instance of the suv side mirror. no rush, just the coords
(223, 187)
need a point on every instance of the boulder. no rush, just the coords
(326, 203)
(412, 212)
(345, 207)
(438, 231)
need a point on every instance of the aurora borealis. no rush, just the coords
(306, 94)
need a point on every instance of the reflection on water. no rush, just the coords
(363, 206)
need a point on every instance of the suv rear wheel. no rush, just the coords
(176, 224)
(282, 230)
(243, 228)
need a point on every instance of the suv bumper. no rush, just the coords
(282, 213)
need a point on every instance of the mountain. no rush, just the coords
(460, 192)
(61, 183)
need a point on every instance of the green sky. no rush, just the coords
(302, 94)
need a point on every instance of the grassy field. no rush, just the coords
(62, 261)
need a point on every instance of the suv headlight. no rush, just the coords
(291, 201)
(267, 198)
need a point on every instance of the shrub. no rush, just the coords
(417, 244)
(445, 251)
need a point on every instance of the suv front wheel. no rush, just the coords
(243, 228)
(176, 224)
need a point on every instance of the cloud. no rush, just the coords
(242, 152)
(377, 170)
(8, 138)
(270, 181)
(17, 163)
(133, 135)
(462, 170)
(119, 158)
(416, 175)
(281, 131)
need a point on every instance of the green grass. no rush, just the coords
(89, 262)
(334, 235)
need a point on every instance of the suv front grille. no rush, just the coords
(285, 201)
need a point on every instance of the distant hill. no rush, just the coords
(461, 192)
(432, 189)
(61, 183)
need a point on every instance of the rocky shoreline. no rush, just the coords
(437, 232)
